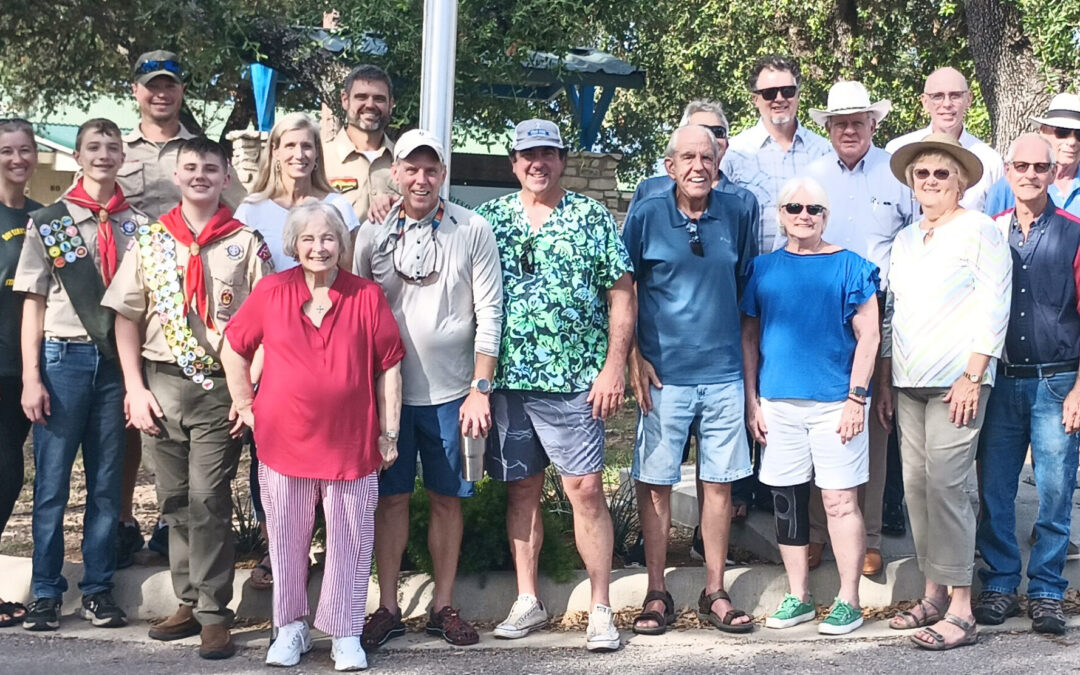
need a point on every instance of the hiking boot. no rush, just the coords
(791, 612)
(842, 619)
(43, 614)
(527, 614)
(602, 635)
(992, 608)
(1046, 615)
(159, 540)
(180, 625)
(217, 642)
(101, 610)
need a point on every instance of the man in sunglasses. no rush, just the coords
(777, 148)
(869, 207)
(439, 266)
(146, 177)
(946, 98)
(691, 248)
(1036, 399)
(1061, 127)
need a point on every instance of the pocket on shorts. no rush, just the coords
(1059, 388)
(53, 353)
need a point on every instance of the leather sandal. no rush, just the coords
(705, 613)
(910, 620)
(662, 620)
(971, 635)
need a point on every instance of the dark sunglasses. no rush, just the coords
(795, 209)
(151, 66)
(526, 260)
(1022, 167)
(423, 275)
(1062, 132)
(717, 131)
(940, 174)
(696, 247)
(769, 93)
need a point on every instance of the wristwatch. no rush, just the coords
(973, 378)
(390, 435)
(861, 392)
(482, 385)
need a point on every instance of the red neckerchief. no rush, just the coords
(220, 226)
(106, 242)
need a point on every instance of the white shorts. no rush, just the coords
(802, 443)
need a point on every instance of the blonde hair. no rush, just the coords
(946, 159)
(268, 181)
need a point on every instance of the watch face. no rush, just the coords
(483, 386)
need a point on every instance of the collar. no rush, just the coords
(1040, 222)
(712, 209)
(874, 155)
(427, 219)
(343, 146)
(136, 135)
(761, 135)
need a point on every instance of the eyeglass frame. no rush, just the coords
(1061, 133)
(765, 92)
(936, 173)
(1017, 164)
(719, 131)
(938, 97)
(809, 208)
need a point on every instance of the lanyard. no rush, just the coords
(435, 222)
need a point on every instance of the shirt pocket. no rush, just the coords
(131, 179)
(230, 288)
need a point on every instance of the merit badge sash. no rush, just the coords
(74, 267)
(165, 279)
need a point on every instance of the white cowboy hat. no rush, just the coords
(848, 98)
(1064, 112)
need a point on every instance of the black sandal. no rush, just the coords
(12, 609)
(662, 620)
(724, 623)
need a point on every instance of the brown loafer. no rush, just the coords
(872, 563)
(816, 550)
(217, 642)
(180, 625)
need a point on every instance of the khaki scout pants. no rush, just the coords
(194, 460)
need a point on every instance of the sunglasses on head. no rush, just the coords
(696, 247)
(769, 93)
(151, 66)
(795, 209)
(1022, 167)
(940, 174)
(719, 132)
(1062, 132)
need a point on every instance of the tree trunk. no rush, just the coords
(1006, 68)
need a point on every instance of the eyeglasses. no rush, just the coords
(1022, 167)
(938, 97)
(940, 174)
(795, 209)
(151, 66)
(1062, 132)
(696, 247)
(719, 132)
(526, 260)
(769, 93)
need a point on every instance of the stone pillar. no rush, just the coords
(247, 147)
(593, 174)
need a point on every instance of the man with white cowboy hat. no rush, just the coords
(1061, 127)
(869, 207)
(946, 98)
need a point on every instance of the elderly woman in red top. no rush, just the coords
(331, 346)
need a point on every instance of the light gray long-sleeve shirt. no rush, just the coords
(450, 316)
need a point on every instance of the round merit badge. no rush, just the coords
(234, 251)
(128, 227)
(44, 230)
(59, 262)
(70, 257)
(226, 298)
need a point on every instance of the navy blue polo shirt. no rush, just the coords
(688, 305)
(1044, 324)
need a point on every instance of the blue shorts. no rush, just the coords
(723, 454)
(432, 433)
(533, 428)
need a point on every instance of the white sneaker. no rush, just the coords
(293, 639)
(348, 654)
(527, 615)
(602, 635)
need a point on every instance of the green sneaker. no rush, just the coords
(842, 619)
(791, 612)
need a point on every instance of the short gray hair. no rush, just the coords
(669, 151)
(1011, 154)
(817, 192)
(703, 105)
(299, 217)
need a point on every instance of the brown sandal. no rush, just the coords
(448, 624)
(971, 636)
(725, 624)
(662, 620)
(912, 621)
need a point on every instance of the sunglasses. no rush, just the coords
(696, 247)
(940, 174)
(718, 131)
(769, 93)
(795, 209)
(527, 261)
(1022, 167)
(1062, 132)
(151, 66)
(422, 276)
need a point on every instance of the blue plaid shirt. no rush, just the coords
(756, 162)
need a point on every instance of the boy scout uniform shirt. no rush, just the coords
(231, 266)
(147, 174)
(353, 175)
(37, 274)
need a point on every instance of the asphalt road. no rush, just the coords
(30, 654)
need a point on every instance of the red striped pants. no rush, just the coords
(349, 506)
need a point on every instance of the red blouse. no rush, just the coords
(315, 413)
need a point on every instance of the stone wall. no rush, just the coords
(247, 146)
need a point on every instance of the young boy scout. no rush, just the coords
(73, 390)
(187, 275)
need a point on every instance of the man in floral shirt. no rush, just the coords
(569, 304)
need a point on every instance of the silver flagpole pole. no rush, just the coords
(437, 74)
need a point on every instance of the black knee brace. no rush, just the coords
(791, 507)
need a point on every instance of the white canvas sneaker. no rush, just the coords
(293, 639)
(602, 635)
(527, 614)
(348, 654)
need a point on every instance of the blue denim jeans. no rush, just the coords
(86, 395)
(1022, 411)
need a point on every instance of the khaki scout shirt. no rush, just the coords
(231, 266)
(351, 174)
(36, 273)
(147, 174)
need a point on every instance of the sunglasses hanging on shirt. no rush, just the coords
(696, 247)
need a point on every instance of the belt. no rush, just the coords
(77, 340)
(1039, 370)
(177, 371)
